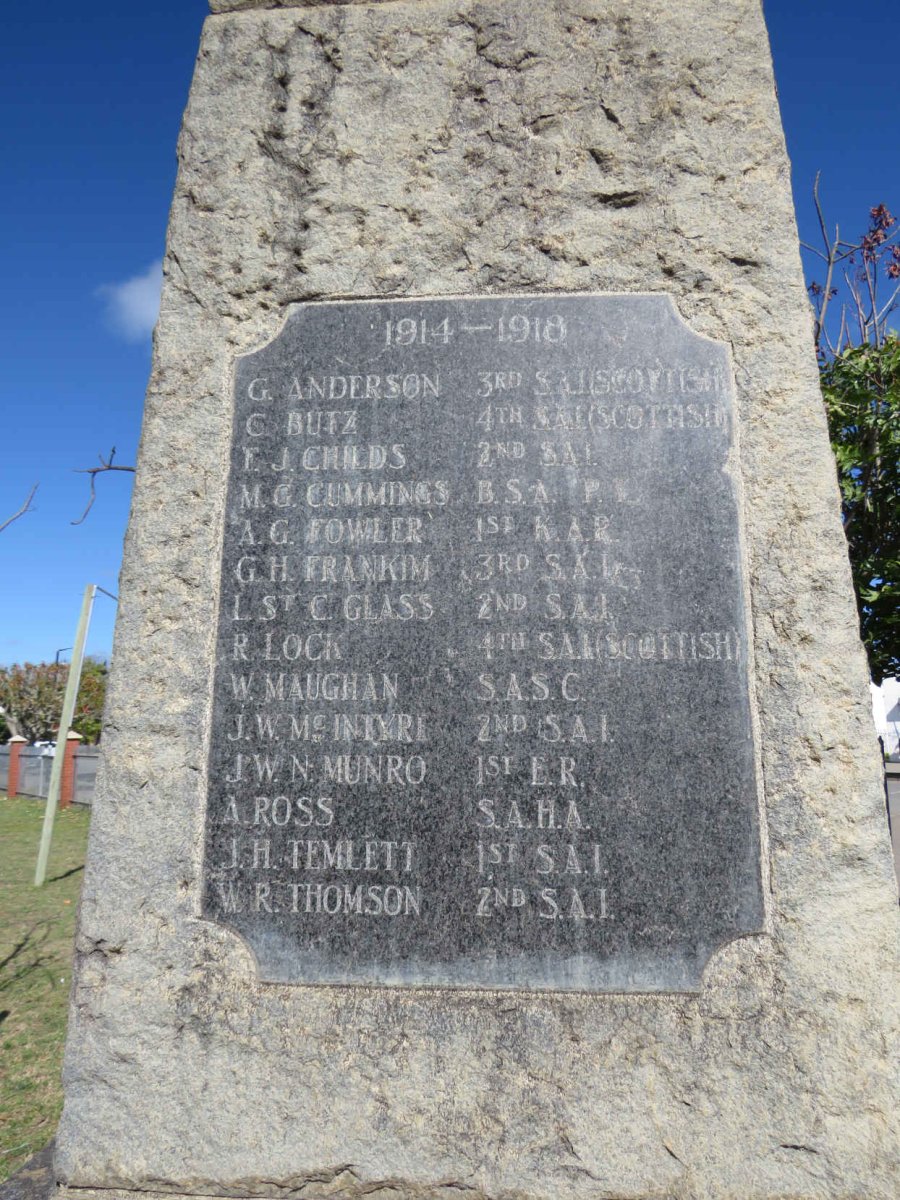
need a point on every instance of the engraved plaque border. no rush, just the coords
(276, 956)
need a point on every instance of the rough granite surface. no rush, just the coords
(225, 6)
(462, 147)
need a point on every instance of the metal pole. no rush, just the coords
(65, 721)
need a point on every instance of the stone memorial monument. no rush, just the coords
(490, 803)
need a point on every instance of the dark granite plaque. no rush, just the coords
(481, 712)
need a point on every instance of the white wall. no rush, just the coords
(886, 710)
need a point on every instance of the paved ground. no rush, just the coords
(34, 1181)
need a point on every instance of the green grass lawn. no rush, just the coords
(37, 926)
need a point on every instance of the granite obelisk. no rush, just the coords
(490, 802)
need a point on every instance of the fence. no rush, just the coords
(892, 787)
(25, 771)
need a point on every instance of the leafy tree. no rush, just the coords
(859, 363)
(89, 704)
(862, 394)
(31, 696)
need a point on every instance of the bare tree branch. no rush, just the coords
(825, 238)
(813, 250)
(21, 512)
(890, 305)
(843, 333)
(831, 253)
(106, 464)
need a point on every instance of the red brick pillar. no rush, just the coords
(15, 749)
(67, 783)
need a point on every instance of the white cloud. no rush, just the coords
(133, 305)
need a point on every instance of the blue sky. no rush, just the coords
(92, 94)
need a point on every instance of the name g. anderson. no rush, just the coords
(351, 387)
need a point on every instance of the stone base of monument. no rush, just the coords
(342, 1183)
(490, 804)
